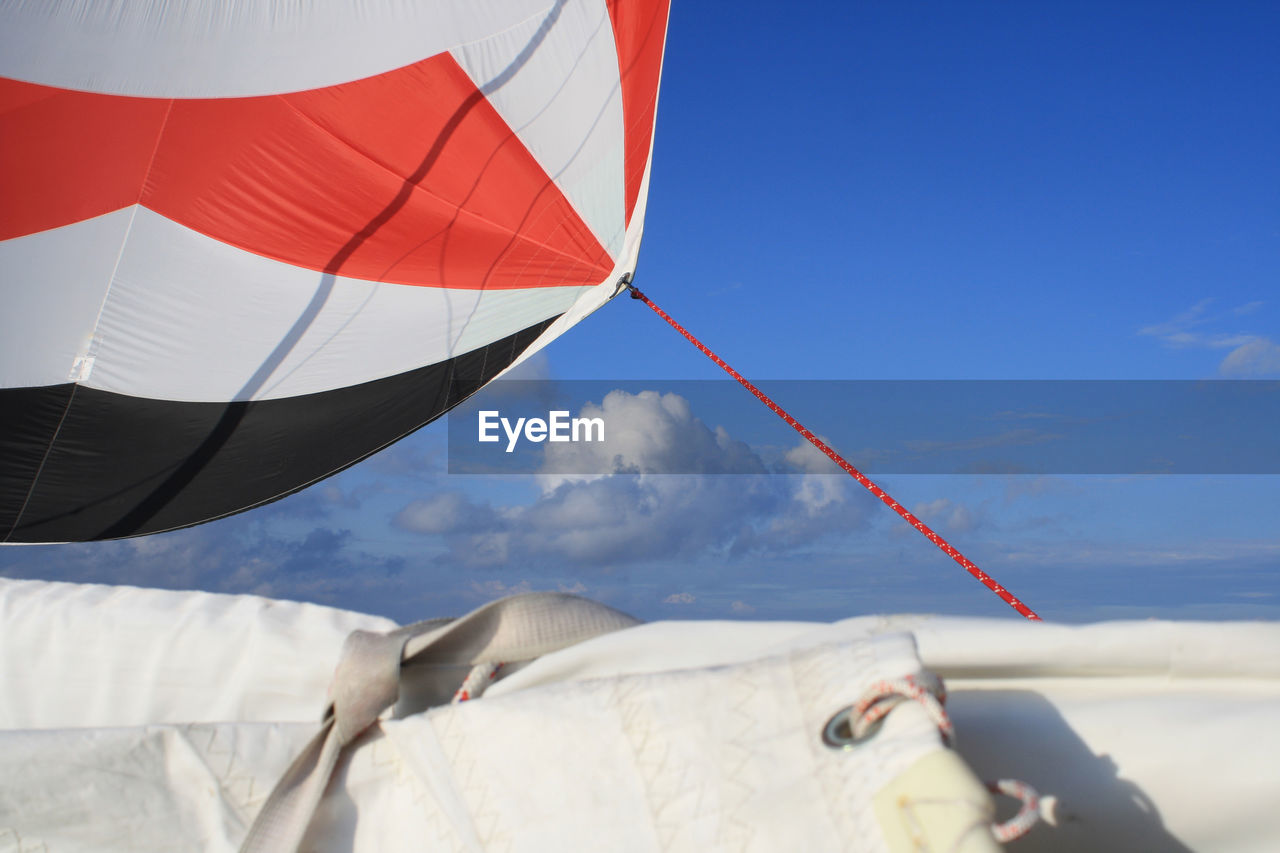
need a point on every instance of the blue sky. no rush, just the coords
(867, 191)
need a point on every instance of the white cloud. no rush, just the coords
(943, 512)
(1251, 354)
(242, 554)
(647, 433)
(446, 512)
(624, 517)
(808, 458)
(679, 598)
(1205, 341)
(1257, 357)
(1194, 316)
(742, 608)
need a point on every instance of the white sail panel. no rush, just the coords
(191, 318)
(216, 49)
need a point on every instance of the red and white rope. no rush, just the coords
(883, 696)
(1021, 823)
(476, 682)
(930, 693)
(989, 582)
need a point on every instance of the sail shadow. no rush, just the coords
(133, 521)
(1020, 734)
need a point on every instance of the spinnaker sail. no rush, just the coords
(246, 246)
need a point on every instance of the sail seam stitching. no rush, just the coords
(17, 519)
(94, 341)
(128, 231)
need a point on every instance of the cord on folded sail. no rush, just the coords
(929, 692)
(884, 696)
(1027, 816)
(477, 681)
(946, 547)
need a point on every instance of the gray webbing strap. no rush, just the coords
(367, 683)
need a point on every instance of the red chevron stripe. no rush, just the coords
(409, 177)
(639, 30)
(69, 156)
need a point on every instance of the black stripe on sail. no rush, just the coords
(108, 466)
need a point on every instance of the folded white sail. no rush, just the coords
(151, 720)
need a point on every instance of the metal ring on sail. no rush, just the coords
(246, 246)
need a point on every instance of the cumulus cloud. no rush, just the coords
(236, 555)
(633, 514)
(446, 512)
(647, 433)
(679, 598)
(946, 513)
(1257, 357)
(809, 459)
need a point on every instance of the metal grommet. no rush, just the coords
(838, 733)
(623, 283)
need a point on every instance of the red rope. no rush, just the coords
(986, 579)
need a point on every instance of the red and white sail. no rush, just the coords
(245, 245)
